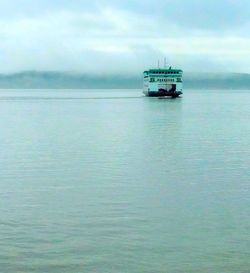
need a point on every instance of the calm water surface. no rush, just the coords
(109, 181)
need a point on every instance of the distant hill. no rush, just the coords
(62, 80)
(217, 80)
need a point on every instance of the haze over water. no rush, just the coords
(95, 183)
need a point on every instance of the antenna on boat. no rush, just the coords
(165, 62)
(158, 64)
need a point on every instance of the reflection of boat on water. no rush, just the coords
(165, 82)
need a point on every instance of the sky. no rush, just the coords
(117, 37)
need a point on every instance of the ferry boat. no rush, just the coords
(162, 82)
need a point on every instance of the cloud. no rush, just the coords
(125, 37)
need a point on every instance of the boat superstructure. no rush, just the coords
(162, 82)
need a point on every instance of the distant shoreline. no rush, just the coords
(68, 80)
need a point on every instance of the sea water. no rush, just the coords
(110, 181)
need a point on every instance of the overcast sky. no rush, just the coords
(124, 36)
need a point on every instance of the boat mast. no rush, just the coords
(165, 62)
